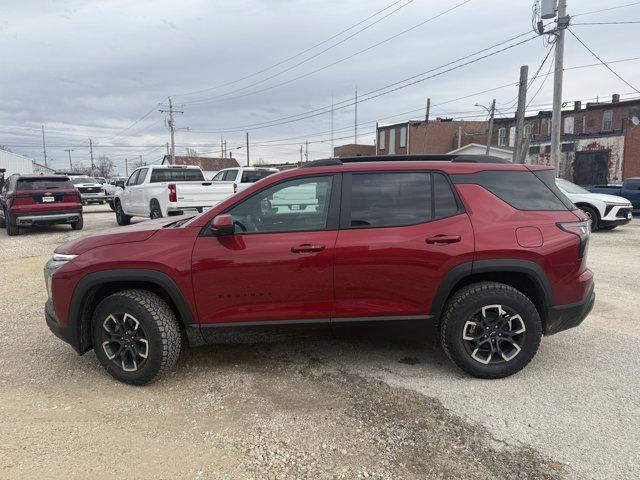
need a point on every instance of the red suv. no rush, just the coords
(493, 253)
(28, 200)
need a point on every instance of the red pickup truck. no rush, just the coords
(28, 200)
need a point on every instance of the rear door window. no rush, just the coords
(142, 174)
(230, 175)
(159, 175)
(252, 176)
(390, 199)
(445, 203)
(44, 184)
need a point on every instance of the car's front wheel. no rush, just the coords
(136, 336)
(490, 330)
(121, 217)
(594, 218)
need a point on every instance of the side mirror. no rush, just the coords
(222, 225)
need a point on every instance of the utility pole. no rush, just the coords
(426, 124)
(168, 152)
(355, 120)
(300, 155)
(562, 23)
(221, 147)
(69, 150)
(518, 157)
(492, 114)
(225, 148)
(172, 129)
(44, 147)
(247, 149)
(306, 150)
(140, 159)
(332, 150)
(91, 155)
(126, 167)
(459, 137)
(377, 138)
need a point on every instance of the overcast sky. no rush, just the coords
(89, 69)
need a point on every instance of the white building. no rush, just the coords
(15, 163)
(477, 149)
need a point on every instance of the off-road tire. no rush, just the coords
(121, 217)
(160, 326)
(460, 308)
(79, 224)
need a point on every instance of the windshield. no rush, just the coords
(568, 187)
(77, 180)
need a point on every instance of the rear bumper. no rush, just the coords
(67, 334)
(27, 219)
(563, 317)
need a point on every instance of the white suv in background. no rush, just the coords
(606, 212)
(243, 177)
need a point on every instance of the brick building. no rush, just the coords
(354, 150)
(600, 143)
(444, 135)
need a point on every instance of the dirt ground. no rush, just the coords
(317, 407)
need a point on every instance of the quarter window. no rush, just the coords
(292, 206)
(389, 199)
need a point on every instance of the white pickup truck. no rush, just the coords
(156, 191)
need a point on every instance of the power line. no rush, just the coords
(605, 23)
(281, 62)
(602, 61)
(277, 74)
(370, 47)
(606, 9)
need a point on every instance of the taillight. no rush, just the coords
(173, 197)
(581, 230)
(71, 198)
(235, 187)
(27, 200)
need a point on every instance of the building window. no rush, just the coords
(403, 137)
(528, 129)
(502, 137)
(392, 141)
(607, 121)
(568, 125)
(549, 127)
(512, 137)
(534, 150)
(381, 140)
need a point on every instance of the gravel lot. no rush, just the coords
(317, 407)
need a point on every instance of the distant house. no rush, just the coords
(354, 150)
(209, 165)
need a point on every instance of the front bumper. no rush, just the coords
(96, 197)
(26, 220)
(616, 215)
(67, 334)
(563, 317)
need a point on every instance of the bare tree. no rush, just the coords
(138, 164)
(104, 166)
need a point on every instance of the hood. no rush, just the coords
(138, 232)
(604, 197)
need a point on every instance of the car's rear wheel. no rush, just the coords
(12, 228)
(154, 210)
(79, 224)
(490, 330)
(136, 336)
(121, 217)
(594, 218)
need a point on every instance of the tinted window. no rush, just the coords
(251, 176)
(142, 174)
(77, 180)
(176, 175)
(230, 175)
(296, 205)
(389, 199)
(633, 185)
(133, 178)
(43, 183)
(445, 200)
(523, 190)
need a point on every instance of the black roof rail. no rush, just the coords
(463, 158)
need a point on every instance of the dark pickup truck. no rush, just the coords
(630, 189)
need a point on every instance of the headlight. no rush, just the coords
(57, 261)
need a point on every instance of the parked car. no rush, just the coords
(157, 191)
(111, 187)
(493, 254)
(28, 200)
(243, 177)
(90, 189)
(605, 212)
(629, 189)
